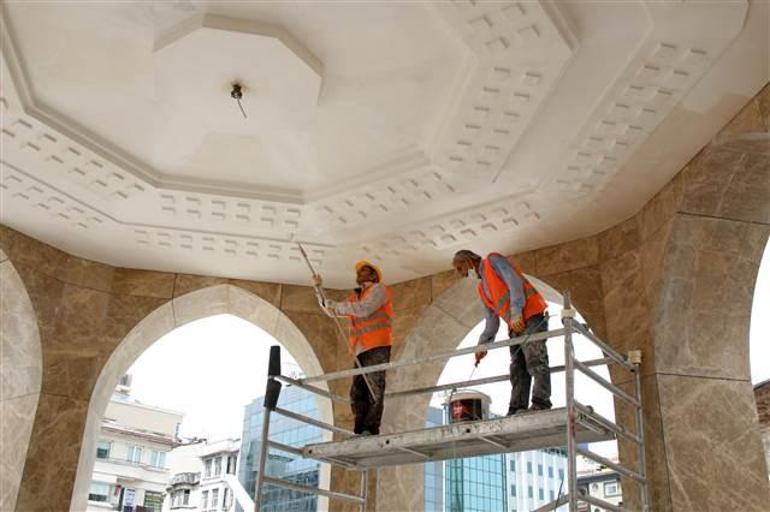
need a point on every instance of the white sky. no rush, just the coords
(211, 368)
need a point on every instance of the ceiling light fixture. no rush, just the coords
(237, 95)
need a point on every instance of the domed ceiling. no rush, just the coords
(396, 131)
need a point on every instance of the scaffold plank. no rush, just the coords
(522, 432)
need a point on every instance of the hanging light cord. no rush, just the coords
(241, 107)
(237, 95)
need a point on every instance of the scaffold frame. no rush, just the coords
(574, 424)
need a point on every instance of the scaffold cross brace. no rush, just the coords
(568, 313)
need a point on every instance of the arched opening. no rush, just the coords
(20, 378)
(197, 305)
(443, 327)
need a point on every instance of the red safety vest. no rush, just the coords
(375, 330)
(500, 300)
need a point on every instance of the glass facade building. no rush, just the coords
(280, 464)
(473, 484)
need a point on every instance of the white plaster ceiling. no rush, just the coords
(396, 131)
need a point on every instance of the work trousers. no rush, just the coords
(528, 362)
(366, 411)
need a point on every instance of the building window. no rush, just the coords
(540, 494)
(207, 470)
(99, 492)
(550, 471)
(103, 450)
(513, 490)
(611, 488)
(513, 465)
(214, 499)
(205, 500)
(561, 474)
(134, 454)
(530, 492)
(232, 462)
(551, 496)
(539, 470)
(218, 466)
(529, 468)
(158, 459)
(153, 501)
(226, 496)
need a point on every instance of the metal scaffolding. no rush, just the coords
(575, 424)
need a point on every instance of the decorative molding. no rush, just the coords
(645, 94)
(496, 218)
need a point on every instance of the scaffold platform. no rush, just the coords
(522, 432)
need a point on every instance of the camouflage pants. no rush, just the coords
(367, 412)
(529, 362)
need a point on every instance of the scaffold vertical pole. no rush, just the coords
(272, 392)
(644, 496)
(364, 488)
(569, 373)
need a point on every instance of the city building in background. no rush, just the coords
(131, 473)
(203, 476)
(601, 482)
(535, 478)
(279, 464)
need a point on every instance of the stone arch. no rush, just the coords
(206, 302)
(441, 327)
(20, 377)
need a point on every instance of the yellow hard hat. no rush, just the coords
(365, 263)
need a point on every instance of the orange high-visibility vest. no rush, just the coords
(375, 330)
(500, 300)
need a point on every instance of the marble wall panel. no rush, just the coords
(411, 295)
(702, 317)
(271, 292)
(462, 303)
(18, 415)
(619, 239)
(85, 273)
(43, 258)
(763, 101)
(567, 256)
(664, 205)
(59, 423)
(186, 283)
(80, 319)
(397, 491)
(746, 194)
(3, 256)
(527, 261)
(713, 450)
(143, 282)
(20, 350)
(442, 281)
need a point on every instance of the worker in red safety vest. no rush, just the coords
(370, 311)
(507, 294)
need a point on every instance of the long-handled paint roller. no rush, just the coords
(340, 330)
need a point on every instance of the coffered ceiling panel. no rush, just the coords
(397, 131)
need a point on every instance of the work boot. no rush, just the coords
(539, 407)
(515, 410)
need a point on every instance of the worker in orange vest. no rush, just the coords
(370, 311)
(507, 294)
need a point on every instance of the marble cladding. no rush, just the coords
(20, 379)
(714, 455)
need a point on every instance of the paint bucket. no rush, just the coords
(468, 405)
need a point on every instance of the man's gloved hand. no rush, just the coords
(517, 325)
(317, 280)
(481, 354)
